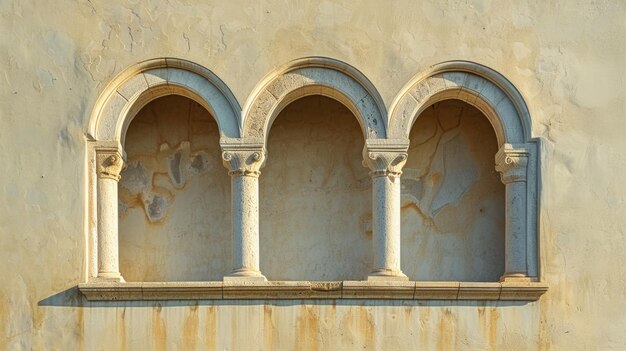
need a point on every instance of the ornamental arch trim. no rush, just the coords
(113, 112)
(243, 135)
(517, 160)
(136, 86)
(471, 82)
(314, 76)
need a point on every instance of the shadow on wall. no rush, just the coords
(452, 197)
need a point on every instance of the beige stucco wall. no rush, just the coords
(565, 58)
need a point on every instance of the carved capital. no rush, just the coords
(512, 164)
(384, 163)
(244, 162)
(109, 164)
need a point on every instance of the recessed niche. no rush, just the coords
(452, 197)
(174, 196)
(315, 195)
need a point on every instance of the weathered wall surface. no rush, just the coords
(453, 199)
(316, 196)
(316, 206)
(565, 58)
(174, 196)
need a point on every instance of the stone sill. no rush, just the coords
(296, 290)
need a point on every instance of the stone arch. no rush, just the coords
(517, 159)
(314, 76)
(471, 82)
(114, 110)
(135, 87)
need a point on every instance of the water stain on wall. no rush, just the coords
(210, 342)
(120, 326)
(159, 330)
(190, 328)
(307, 328)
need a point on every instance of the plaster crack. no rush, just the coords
(222, 36)
(428, 220)
(93, 8)
(188, 42)
(132, 38)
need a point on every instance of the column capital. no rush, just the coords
(512, 162)
(109, 164)
(384, 162)
(243, 161)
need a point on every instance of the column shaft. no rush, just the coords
(243, 163)
(515, 230)
(245, 224)
(512, 163)
(386, 168)
(386, 221)
(108, 252)
(109, 165)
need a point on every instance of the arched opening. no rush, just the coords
(453, 200)
(315, 208)
(174, 195)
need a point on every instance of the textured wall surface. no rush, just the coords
(565, 58)
(453, 199)
(315, 195)
(174, 196)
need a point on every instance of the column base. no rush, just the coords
(109, 277)
(516, 278)
(245, 275)
(386, 275)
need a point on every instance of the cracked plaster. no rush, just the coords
(565, 58)
(453, 200)
(175, 193)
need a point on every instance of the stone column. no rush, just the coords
(512, 163)
(109, 164)
(385, 169)
(244, 165)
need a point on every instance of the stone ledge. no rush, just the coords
(299, 290)
(282, 290)
(379, 289)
